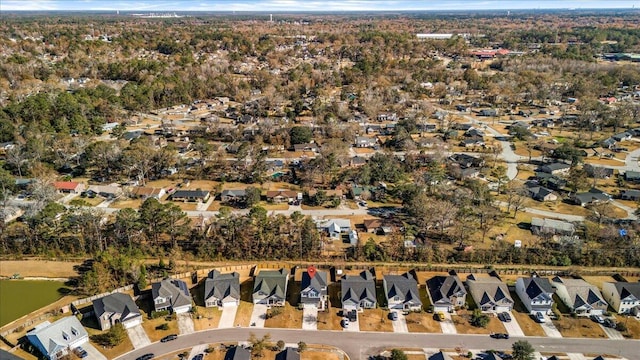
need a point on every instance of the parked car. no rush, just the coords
(609, 323)
(80, 352)
(540, 317)
(504, 317)
(499, 336)
(439, 316)
(198, 357)
(352, 315)
(597, 318)
(393, 315)
(145, 357)
(169, 338)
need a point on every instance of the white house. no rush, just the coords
(624, 297)
(536, 294)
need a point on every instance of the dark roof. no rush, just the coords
(115, 303)
(238, 353)
(221, 285)
(439, 356)
(234, 193)
(404, 286)
(626, 289)
(271, 283)
(443, 287)
(288, 354)
(176, 290)
(318, 282)
(358, 287)
(190, 194)
(549, 168)
(536, 286)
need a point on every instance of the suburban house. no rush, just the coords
(238, 353)
(624, 297)
(221, 290)
(270, 287)
(68, 187)
(334, 227)
(580, 296)
(314, 288)
(357, 161)
(172, 295)
(364, 142)
(228, 196)
(106, 191)
(446, 292)
(402, 292)
(633, 195)
(598, 171)
(632, 176)
(472, 141)
(439, 356)
(556, 168)
(116, 308)
(536, 294)
(55, 340)
(490, 294)
(372, 225)
(283, 196)
(288, 354)
(622, 136)
(551, 227)
(358, 291)
(306, 147)
(328, 193)
(191, 195)
(590, 197)
(141, 192)
(541, 193)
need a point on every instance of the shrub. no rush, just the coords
(113, 337)
(157, 314)
(163, 326)
(478, 319)
(280, 344)
(622, 327)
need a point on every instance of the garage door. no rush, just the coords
(132, 323)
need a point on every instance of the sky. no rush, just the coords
(305, 5)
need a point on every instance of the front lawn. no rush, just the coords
(287, 317)
(206, 318)
(375, 320)
(329, 319)
(463, 325)
(579, 327)
(422, 322)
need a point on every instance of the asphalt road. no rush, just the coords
(361, 345)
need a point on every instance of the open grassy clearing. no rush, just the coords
(39, 268)
(126, 203)
(579, 327)
(288, 317)
(375, 320)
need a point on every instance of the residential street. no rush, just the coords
(362, 344)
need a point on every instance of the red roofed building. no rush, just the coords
(69, 187)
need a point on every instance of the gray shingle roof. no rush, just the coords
(626, 289)
(489, 291)
(221, 286)
(175, 290)
(238, 353)
(536, 286)
(581, 293)
(271, 283)
(116, 303)
(358, 287)
(288, 354)
(51, 338)
(404, 286)
(318, 283)
(443, 287)
(439, 356)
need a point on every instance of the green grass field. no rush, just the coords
(20, 297)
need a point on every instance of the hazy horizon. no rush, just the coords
(309, 5)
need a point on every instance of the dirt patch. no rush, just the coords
(375, 320)
(38, 268)
(360, 151)
(271, 207)
(129, 203)
(287, 317)
(579, 327)
(207, 318)
(422, 322)
(318, 355)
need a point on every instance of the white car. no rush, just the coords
(540, 318)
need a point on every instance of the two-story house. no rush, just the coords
(446, 293)
(536, 294)
(358, 291)
(222, 290)
(55, 340)
(401, 292)
(172, 295)
(624, 297)
(490, 294)
(314, 288)
(270, 287)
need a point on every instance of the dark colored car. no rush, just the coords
(504, 316)
(169, 338)
(609, 323)
(145, 357)
(82, 353)
(500, 336)
(198, 357)
(393, 315)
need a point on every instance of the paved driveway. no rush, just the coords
(138, 337)
(400, 325)
(354, 326)
(549, 328)
(228, 317)
(258, 316)
(447, 325)
(185, 324)
(512, 327)
(94, 354)
(612, 333)
(310, 318)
